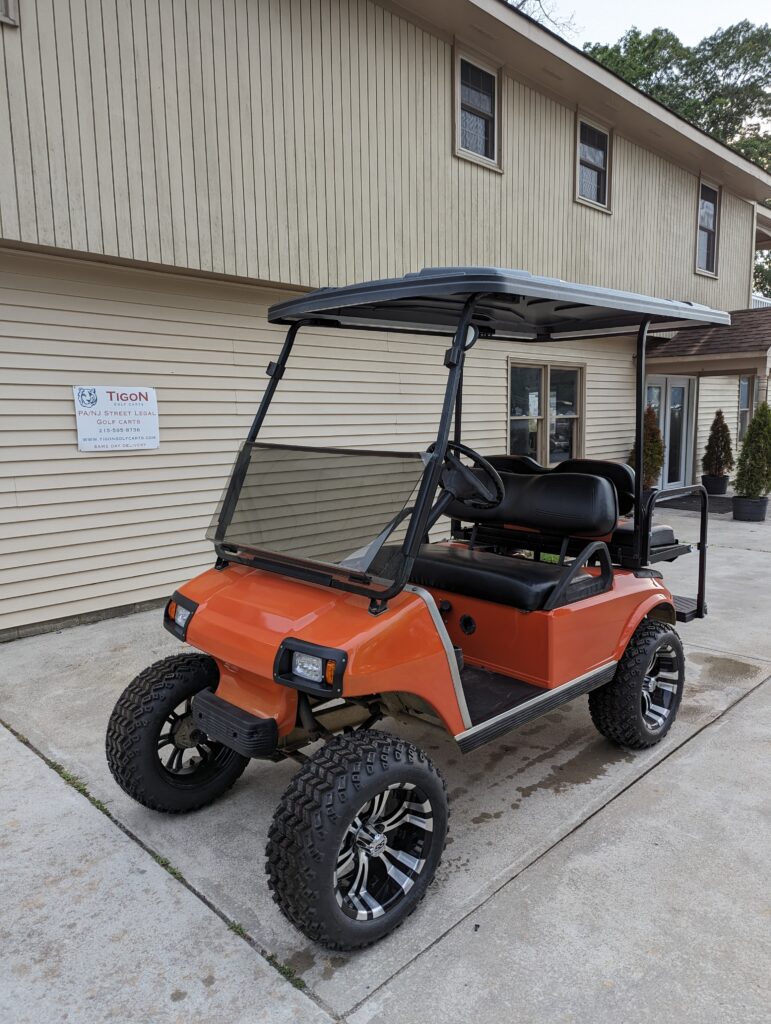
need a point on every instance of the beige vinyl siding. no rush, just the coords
(310, 143)
(80, 532)
(716, 393)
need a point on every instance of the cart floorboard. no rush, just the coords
(489, 694)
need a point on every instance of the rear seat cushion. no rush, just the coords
(661, 536)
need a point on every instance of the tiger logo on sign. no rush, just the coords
(87, 397)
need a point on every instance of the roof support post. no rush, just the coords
(453, 360)
(640, 527)
(275, 371)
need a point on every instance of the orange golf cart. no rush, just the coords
(350, 586)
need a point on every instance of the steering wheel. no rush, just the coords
(467, 486)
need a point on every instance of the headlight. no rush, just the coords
(179, 611)
(307, 666)
(181, 616)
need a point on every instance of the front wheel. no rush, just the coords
(357, 839)
(154, 751)
(637, 708)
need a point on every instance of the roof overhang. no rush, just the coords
(762, 227)
(539, 57)
(510, 304)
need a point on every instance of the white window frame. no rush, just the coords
(544, 420)
(718, 207)
(9, 12)
(749, 408)
(461, 53)
(607, 131)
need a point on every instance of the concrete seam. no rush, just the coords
(576, 828)
(74, 782)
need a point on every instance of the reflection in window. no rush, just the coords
(593, 164)
(477, 110)
(547, 432)
(706, 253)
(563, 411)
(525, 410)
(745, 405)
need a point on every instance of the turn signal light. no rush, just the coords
(171, 610)
(329, 672)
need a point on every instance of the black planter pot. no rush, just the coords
(715, 484)
(750, 510)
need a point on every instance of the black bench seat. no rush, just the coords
(518, 582)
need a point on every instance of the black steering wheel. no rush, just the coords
(471, 488)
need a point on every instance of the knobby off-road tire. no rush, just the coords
(357, 838)
(154, 754)
(637, 708)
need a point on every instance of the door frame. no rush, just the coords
(666, 382)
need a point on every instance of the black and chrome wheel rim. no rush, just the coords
(383, 852)
(184, 750)
(660, 688)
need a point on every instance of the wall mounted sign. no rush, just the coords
(116, 419)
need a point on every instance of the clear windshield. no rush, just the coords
(332, 507)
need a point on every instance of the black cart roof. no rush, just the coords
(512, 304)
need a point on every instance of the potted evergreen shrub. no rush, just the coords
(653, 450)
(753, 475)
(718, 457)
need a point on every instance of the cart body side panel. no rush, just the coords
(549, 649)
(242, 623)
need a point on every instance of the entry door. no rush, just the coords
(671, 398)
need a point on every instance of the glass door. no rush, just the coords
(671, 398)
(676, 439)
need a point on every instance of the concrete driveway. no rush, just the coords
(580, 881)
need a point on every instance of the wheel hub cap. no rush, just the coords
(383, 852)
(660, 688)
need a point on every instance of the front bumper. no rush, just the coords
(224, 723)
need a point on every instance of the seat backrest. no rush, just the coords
(619, 474)
(521, 464)
(564, 505)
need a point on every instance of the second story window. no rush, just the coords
(477, 129)
(706, 247)
(593, 164)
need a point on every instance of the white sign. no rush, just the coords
(116, 419)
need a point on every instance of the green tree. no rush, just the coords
(753, 473)
(718, 456)
(653, 449)
(761, 276)
(721, 85)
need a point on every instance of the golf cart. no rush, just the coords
(476, 593)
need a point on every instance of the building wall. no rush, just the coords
(716, 393)
(309, 142)
(80, 532)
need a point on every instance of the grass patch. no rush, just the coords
(166, 864)
(286, 972)
(238, 929)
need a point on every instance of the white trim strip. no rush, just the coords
(452, 661)
(535, 701)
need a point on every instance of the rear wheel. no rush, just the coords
(154, 751)
(638, 707)
(357, 839)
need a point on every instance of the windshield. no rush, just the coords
(324, 507)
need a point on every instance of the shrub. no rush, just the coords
(753, 475)
(653, 449)
(718, 456)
